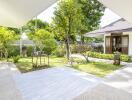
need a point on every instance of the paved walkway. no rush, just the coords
(121, 79)
(117, 86)
(64, 83)
(8, 87)
(55, 84)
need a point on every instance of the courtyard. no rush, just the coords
(65, 50)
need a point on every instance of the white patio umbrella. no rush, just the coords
(121, 7)
(15, 13)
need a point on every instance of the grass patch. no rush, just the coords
(25, 64)
(99, 69)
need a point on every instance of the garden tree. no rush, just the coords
(45, 41)
(16, 30)
(94, 39)
(6, 38)
(83, 50)
(32, 25)
(66, 21)
(92, 11)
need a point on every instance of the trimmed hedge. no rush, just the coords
(124, 58)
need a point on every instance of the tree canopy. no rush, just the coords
(45, 41)
(6, 38)
(92, 11)
(34, 25)
(66, 21)
(75, 17)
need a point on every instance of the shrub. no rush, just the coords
(29, 50)
(98, 49)
(124, 58)
(16, 59)
(13, 51)
(80, 48)
(60, 51)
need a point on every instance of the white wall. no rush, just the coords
(130, 42)
(104, 44)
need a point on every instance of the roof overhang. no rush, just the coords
(121, 7)
(118, 26)
(16, 13)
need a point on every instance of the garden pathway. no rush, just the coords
(63, 83)
(8, 87)
(117, 86)
(55, 84)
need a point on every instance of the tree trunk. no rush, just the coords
(86, 57)
(48, 60)
(32, 59)
(67, 49)
(1, 55)
(82, 39)
(67, 39)
(6, 54)
(44, 59)
(40, 58)
(37, 61)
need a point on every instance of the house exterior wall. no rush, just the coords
(130, 42)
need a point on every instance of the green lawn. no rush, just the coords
(25, 64)
(99, 69)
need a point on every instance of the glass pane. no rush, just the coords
(108, 42)
(124, 41)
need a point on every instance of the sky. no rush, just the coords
(47, 15)
(108, 17)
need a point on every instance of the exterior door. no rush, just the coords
(125, 44)
(108, 48)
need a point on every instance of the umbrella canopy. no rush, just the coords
(16, 13)
(120, 7)
(120, 25)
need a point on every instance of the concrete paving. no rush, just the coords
(8, 87)
(117, 86)
(64, 83)
(104, 92)
(121, 79)
(55, 84)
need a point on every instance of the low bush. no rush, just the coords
(97, 49)
(13, 51)
(30, 50)
(124, 58)
(16, 59)
(60, 51)
(80, 48)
